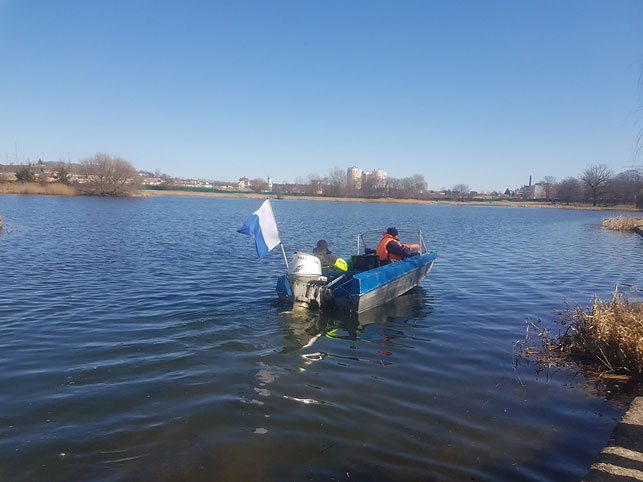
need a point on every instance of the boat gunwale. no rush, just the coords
(386, 267)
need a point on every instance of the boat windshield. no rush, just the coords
(367, 240)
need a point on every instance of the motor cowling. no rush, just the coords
(304, 266)
(306, 280)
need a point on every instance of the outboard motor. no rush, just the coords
(306, 280)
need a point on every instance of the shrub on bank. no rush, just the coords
(608, 333)
(25, 175)
(109, 176)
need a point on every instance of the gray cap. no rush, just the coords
(322, 245)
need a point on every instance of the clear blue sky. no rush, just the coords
(483, 93)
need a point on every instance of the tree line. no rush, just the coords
(104, 175)
(597, 185)
(335, 185)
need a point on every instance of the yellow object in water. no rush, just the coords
(341, 264)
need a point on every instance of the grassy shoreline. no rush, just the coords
(64, 190)
(525, 204)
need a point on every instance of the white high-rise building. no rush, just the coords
(354, 178)
(379, 179)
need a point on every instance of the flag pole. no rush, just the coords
(283, 251)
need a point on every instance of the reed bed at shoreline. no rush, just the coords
(55, 189)
(607, 333)
(622, 223)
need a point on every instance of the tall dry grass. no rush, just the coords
(610, 333)
(622, 223)
(56, 189)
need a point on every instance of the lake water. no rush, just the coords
(141, 339)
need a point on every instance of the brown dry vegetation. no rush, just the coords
(56, 189)
(622, 223)
(609, 333)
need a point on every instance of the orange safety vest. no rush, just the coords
(382, 252)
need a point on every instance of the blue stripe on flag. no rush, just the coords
(252, 228)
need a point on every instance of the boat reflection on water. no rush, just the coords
(305, 327)
(412, 305)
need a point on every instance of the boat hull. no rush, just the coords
(360, 291)
(375, 287)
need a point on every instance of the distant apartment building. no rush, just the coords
(379, 179)
(354, 178)
(270, 183)
(359, 180)
(317, 187)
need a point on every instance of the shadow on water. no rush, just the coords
(305, 327)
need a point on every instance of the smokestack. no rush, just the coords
(529, 181)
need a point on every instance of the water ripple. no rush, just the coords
(141, 339)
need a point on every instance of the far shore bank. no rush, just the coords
(64, 190)
(507, 203)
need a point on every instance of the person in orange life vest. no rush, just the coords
(390, 248)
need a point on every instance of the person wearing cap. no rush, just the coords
(390, 249)
(324, 254)
(327, 258)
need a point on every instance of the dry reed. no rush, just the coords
(56, 189)
(610, 333)
(622, 223)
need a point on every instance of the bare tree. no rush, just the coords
(109, 176)
(336, 182)
(258, 185)
(639, 138)
(549, 182)
(569, 190)
(461, 190)
(418, 184)
(407, 187)
(625, 186)
(595, 178)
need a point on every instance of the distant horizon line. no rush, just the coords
(321, 178)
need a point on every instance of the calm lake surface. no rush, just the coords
(141, 339)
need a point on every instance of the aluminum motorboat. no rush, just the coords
(368, 282)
